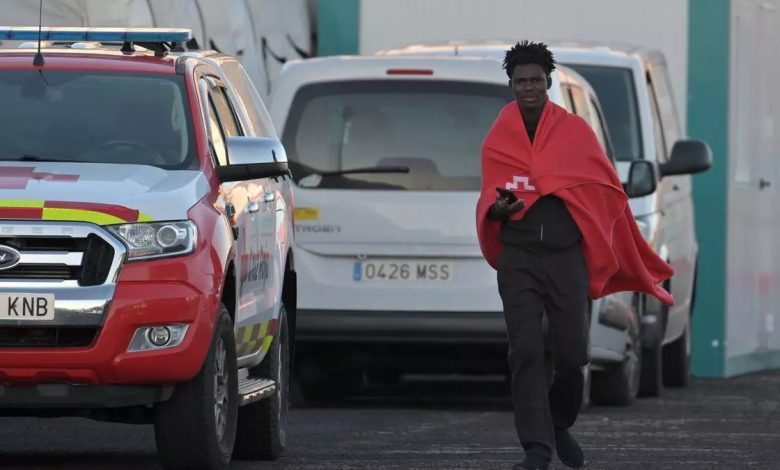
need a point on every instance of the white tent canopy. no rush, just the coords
(262, 33)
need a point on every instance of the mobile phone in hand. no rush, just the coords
(507, 194)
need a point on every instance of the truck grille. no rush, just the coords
(86, 260)
(41, 271)
(46, 337)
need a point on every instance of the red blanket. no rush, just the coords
(567, 161)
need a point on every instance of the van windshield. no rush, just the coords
(615, 88)
(433, 128)
(95, 117)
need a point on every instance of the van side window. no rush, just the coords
(666, 106)
(567, 99)
(581, 107)
(600, 130)
(660, 141)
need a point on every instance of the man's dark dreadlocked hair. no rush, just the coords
(529, 53)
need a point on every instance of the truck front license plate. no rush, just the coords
(26, 307)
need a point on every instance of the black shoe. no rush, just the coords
(569, 451)
(531, 464)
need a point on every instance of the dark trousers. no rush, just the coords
(545, 393)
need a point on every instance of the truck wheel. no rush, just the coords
(262, 426)
(619, 384)
(677, 360)
(196, 428)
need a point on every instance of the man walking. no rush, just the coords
(558, 231)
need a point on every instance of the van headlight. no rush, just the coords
(648, 224)
(156, 240)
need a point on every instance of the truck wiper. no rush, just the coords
(313, 180)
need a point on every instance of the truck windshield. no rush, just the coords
(95, 117)
(432, 128)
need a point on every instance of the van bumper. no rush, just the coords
(372, 326)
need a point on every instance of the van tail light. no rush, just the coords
(409, 72)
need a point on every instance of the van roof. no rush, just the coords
(564, 51)
(334, 68)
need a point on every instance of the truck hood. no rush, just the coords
(98, 193)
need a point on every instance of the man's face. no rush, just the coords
(529, 86)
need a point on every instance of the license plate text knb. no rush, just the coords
(26, 307)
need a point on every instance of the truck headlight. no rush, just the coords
(156, 240)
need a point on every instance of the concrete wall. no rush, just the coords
(661, 24)
(753, 262)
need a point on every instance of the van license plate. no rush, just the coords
(26, 307)
(403, 271)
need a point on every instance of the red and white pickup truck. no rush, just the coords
(146, 268)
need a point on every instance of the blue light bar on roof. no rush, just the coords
(96, 34)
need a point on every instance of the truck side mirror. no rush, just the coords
(253, 158)
(642, 179)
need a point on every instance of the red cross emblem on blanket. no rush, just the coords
(520, 183)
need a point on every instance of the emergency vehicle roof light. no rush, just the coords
(128, 35)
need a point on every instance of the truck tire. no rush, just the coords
(262, 426)
(196, 428)
(677, 360)
(619, 385)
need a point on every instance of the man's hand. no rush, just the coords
(502, 209)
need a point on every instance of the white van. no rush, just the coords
(633, 87)
(385, 154)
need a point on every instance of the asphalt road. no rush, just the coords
(460, 424)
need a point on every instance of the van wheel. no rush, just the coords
(652, 382)
(262, 426)
(586, 387)
(196, 428)
(619, 384)
(677, 360)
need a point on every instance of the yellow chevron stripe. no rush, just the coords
(26, 203)
(252, 337)
(247, 334)
(80, 215)
(267, 343)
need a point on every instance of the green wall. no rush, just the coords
(338, 27)
(708, 119)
